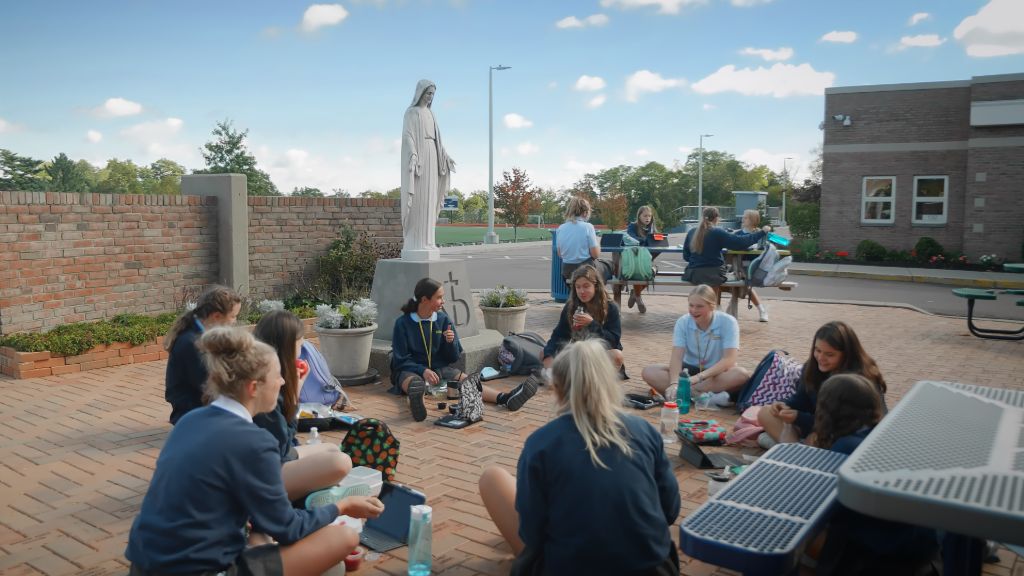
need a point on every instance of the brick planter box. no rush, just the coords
(38, 364)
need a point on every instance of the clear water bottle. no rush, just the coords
(420, 537)
(669, 422)
(683, 392)
(314, 436)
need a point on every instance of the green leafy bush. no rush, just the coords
(345, 271)
(804, 249)
(804, 219)
(898, 256)
(927, 248)
(74, 339)
(870, 251)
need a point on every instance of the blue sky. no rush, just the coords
(322, 87)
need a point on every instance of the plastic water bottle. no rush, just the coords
(420, 538)
(669, 422)
(683, 392)
(314, 436)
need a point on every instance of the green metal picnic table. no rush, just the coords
(972, 294)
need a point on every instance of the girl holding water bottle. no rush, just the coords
(587, 314)
(594, 492)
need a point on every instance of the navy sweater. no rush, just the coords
(633, 230)
(408, 354)
(283, 429)
(715, 240)
(610, 331)
(185, 375)
(583, 519)
(215, 472)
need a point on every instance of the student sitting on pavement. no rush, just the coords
(587, 314)
(186, 374)
(706, 343)
(576, 240)
(703, 247)
(425, 348)
(594, 492)
(751, 221)
(849, 407)
(643, 230)
(217, 471)
(835, 350)
(304, 468)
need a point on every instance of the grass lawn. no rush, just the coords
(445, 235)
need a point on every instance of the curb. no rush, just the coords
(919, 279)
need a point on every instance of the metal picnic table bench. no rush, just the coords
(972, 294)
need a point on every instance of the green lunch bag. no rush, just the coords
(636, 264)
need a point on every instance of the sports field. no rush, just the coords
(446, 235)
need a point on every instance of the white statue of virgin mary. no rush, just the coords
(425, 176)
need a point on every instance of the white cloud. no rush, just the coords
(773, 160)
(597, 101)
(596, 20)
(115, 107)
(643, 81)
(320, 15)
(589, 83)
(641, 152)
(513, 120)
(527, 148)
(917, 18)
(780, 81)
(686, 150)
(574, 22)
(664, 6)
(842, 37)
(996, 30)
(769, 54)
(6, 126)
(707, 107)
(159, 139)
(747, 3)
(94, 136)
(576, 168)
(921, 41)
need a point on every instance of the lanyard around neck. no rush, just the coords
(428, 346)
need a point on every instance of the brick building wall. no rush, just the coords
(76, 257)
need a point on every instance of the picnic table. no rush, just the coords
(949, 456)
(972, 294)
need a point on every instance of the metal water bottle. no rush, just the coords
(420, 538)
(683, 392)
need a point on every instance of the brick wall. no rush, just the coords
(1002, 193)
(935, 115)
(985, 91)
(76, 257)
(285, 234)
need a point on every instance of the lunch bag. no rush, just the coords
(370, 443)
(636, 264)
(527, 349)
(774, 380)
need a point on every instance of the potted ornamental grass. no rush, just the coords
(346, 335)
(504, 309)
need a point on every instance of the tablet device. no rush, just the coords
(390, 530)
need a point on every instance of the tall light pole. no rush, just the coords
(786, 172)
(491, 237)
(700, 178)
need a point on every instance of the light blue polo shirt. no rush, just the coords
(721, 335)
(575, 240)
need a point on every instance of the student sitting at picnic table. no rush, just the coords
(186, 373)
(304, 468)
(643, 231)
(576, 240)
(835, 350)
(703, 247)
(751, 221)
(594, 492)
(587, 314)
(218, 471)
(706, 343)
(849, 407)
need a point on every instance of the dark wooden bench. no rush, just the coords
(737, 289)
(972, 294)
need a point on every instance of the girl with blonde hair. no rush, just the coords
(576, 240)
(594, 479)
(703, 247)
(751, 221)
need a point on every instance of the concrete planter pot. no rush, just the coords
(505, 320)
(347, 350)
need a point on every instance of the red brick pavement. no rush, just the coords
(77, 451)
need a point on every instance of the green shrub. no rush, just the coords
(897, 256)
(870, 251)
(927, 248)
(803, 219)
(74, 339)
(345, 271)
(804, 249)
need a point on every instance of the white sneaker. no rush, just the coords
(762, 312)
(765, 441)
(720, 399)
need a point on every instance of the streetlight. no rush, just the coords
(700, 178)
(786, 172)
(491, 237)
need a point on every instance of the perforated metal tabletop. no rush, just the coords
(949, 456)
(759, 523)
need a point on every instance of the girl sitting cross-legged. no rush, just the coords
(587, 314)
(217, 471)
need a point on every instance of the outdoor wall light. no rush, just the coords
(844, 118)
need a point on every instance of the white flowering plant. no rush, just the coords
(268, 306)
(988, 259)
(359, 313)
(503, 297)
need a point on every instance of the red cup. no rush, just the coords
(302, 367)
(353, 560)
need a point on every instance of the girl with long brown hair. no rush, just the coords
(587, 314)
(642, 230)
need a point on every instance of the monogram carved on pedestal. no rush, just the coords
(456, 306)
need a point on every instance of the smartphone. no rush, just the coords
(640, 401)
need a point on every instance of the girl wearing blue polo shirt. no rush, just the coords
(217, 471)
(576, 240)
(705, 342)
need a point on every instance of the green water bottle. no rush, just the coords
(683, 392)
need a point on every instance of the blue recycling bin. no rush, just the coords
(559, 289)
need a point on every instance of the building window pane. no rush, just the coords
(878, 197)
(931, 194)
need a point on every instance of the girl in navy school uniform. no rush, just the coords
(425, 348)
(849, 407)
(218, 470)
(304, 468)
(185, 376)
(643, 231)
(587, 314)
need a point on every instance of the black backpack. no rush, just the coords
(527, 349)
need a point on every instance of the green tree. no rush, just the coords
(474, 209)
(307, 191)
(227, 154)
(91, 173)
(21, 173)
(161, 177)
(119, 177)
(516, 198)
(66, 176)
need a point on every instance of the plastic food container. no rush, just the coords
(364, 475)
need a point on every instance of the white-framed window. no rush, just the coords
(878, 200)
(931, 197)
